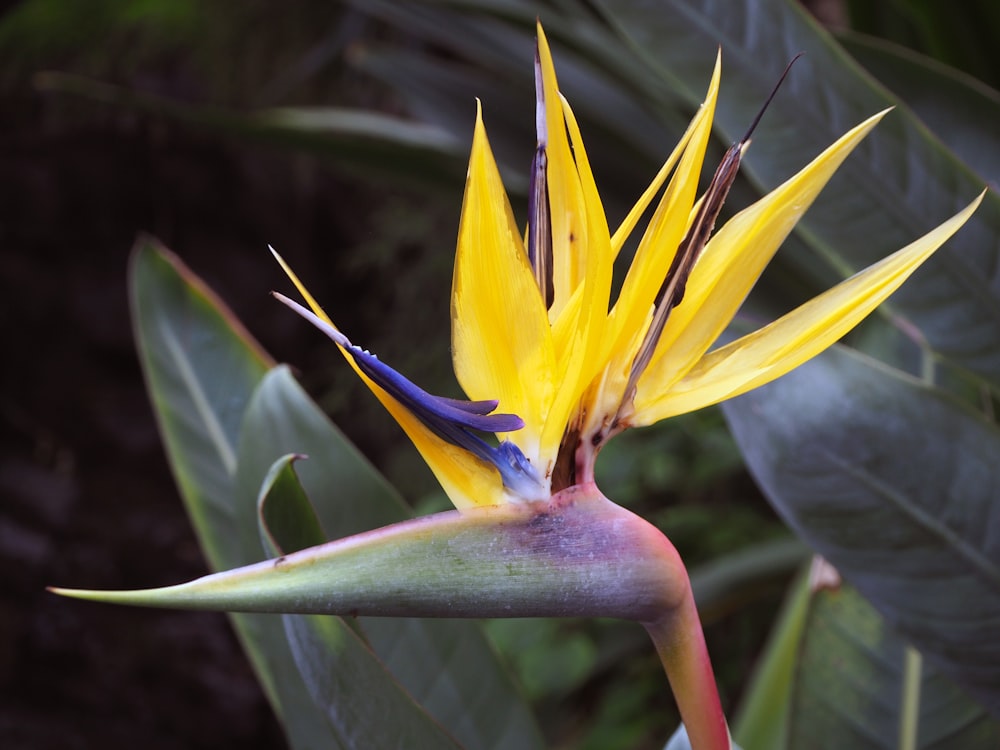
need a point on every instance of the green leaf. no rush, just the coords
(347, 492)
(958, 109)
(361, 700)
(762, 720)
(855, 677)
(358, 695)
(446, 665)
(370, 144)
(288, 522)
(896, 485)
(201, 368)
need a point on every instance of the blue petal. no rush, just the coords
(450, 419)
(473, 407)
(420, 402)
(516, 470)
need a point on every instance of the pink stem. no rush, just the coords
(680, 643)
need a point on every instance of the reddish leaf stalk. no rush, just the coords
(680, 643)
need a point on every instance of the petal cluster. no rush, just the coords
(537, 334)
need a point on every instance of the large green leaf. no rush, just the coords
(899, 487)
(356, 692)
(365, 706)
(960, 110)
(372, 144)
(447, 666)
(856, 679)
(834, 675)
(201, 368)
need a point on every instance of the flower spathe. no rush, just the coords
(537, 335)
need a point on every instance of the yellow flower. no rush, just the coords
(536, 333)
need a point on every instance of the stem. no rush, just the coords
(680, 643)
(910, 714)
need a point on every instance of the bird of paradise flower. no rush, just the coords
(537, 335)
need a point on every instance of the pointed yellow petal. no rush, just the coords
(467, 480)
(501, 343)
(579, 328)
(598, 253)
(772, 351)
(567, 206)
(631, 313)
(310, 300)
(731, 263)
(697, 125)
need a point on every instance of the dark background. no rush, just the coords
(86, 496)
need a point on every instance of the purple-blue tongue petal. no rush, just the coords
(453, 420)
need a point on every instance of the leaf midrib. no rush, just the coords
(213, 426)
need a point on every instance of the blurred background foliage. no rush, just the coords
(222, 127)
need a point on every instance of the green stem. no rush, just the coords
(680, 643)
(909, 716)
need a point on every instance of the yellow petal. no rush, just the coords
(581, 340)
(731, 264)
(501, 342)
(567, 206)
(706, 111)
(467, 480)
(631, 313)
(788, 342)
(310, 300)
(581, 255)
